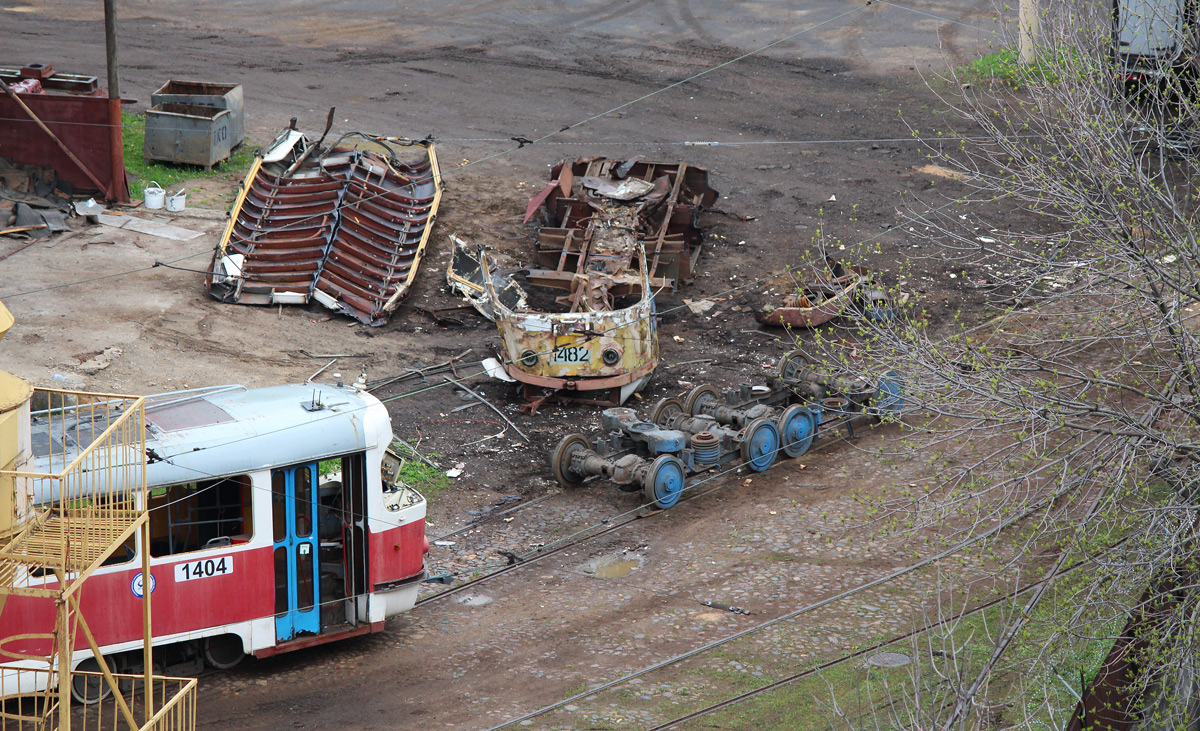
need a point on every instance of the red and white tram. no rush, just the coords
(277, 522)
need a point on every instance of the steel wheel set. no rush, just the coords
(708, 429)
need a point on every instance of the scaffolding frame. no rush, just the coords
(69, 519)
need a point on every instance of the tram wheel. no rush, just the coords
(223, 651)
(665, 409)
(560, 460)
(698, 397)
(760, 446)
(797, 428)
(791, 364)
(663, 482)
(888, 401)
(89, 689)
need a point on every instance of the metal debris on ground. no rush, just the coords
(616, 233)
(708, 429)
(819, 300)
(655, 204)
(346, 225)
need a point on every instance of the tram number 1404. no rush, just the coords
(204, 568)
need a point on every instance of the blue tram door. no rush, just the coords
(293, 497)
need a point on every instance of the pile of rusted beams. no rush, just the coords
(347, 229)
(667, 198)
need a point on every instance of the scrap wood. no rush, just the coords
(489, 405)
(19, 249)
(21, 229)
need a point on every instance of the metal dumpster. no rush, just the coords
(207, 94)
(188, 133)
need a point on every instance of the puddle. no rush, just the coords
(473, 600)
(614, 566)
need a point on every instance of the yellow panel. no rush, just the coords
(6, 320)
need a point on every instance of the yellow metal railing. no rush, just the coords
(85, 494)
(172, 702)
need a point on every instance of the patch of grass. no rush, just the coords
(574, 690)
(1005, 66)
(429, 481)
(168, 176)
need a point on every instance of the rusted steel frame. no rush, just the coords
(111, 189)
(282, 238)
(562, 280)
(380, 274)
(393, 212)
(406, 285)
(257, 195)
(355, 280)
(352, 300)
(381, 198)
(282, 210)
(672, 201)
(293, 257)
(394, 194)
(237, 206)
(363, 214)
(388, 264)
(384, 243)
(306, 186)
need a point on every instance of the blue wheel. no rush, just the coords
(797, 429)
(760, 447)
(889, 397)
(663, 482)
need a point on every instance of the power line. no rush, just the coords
(782, 618)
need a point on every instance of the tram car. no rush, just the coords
(277, 522)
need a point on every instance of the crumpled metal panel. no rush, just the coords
(666, 198)
(348, 230)
(586, 350)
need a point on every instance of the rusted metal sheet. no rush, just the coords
(78, 114)
(660, 203)
(347, 229)
(617, 232)
(612, 351)
(820, 300)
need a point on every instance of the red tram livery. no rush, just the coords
(277, 521)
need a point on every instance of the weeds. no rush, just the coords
(141, 171)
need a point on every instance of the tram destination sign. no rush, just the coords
(204, 568)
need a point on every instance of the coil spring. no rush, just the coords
(706, 447)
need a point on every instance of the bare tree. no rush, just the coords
(1070, 407)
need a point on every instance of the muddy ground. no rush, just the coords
(815, 148)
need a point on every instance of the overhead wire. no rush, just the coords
(542, 138)
(953, 550)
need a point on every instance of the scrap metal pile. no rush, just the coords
(708, 429)
(616, 231)
(341, 225)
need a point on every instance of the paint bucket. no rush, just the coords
(176, 201)
(154, 196)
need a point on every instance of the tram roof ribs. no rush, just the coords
(369, 211)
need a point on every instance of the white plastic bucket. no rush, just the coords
(176, 201)
(154, 196)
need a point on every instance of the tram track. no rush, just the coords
(626, 518)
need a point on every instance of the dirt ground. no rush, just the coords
(814, 146)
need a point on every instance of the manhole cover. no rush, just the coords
(889, 660)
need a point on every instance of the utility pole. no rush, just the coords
(117, 189)
(1027, 22)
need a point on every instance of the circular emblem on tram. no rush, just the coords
(137, 585)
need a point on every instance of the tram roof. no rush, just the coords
(227, 430)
